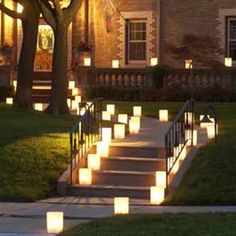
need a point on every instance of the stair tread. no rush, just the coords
(124, 172)
(112, 187)
(141, 159)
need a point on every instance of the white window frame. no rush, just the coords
(127, 53)
(136, 15)
(228, 35)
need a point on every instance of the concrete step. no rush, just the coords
(45, 91)
(110, 191)
(46, 76)
(123, 178)
(137, 152)
(133, 164)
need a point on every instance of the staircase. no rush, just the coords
(42, 87)
(127, 172)
(130, 170)
(131, 167)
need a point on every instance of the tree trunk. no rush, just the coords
(26, 62)
(58, 97)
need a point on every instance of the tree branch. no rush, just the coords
(58, 10)
(71, 11)
(48, 13)
(10, 12)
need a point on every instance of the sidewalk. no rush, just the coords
(29, 218)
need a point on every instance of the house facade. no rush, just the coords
(129, 31)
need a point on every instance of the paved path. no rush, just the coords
(29, 218)
(152, 135)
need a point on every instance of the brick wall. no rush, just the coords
(108, 46)
(202, 17)
(176, 17)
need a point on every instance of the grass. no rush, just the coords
(34, 151)
(164, 225)
(211, 178)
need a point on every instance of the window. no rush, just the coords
(136, 41)
(232, 38)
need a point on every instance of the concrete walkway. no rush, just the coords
(152, 135)
(29, 218)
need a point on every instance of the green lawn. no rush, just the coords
(34, 151)
(163, 225)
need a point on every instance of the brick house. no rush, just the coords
(131, 31)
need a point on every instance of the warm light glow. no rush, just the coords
(106, 115)
(154, 61)
(74, 105)
(85, 176)
(188, 137)
(38, 106)
(55, 222)
(176, 152)
(94, 161)
(9, 101)
(188, 64)
(20, 8)
(228, 62)
(123, 118)
(204, 125)
(119, 131)
(161, 179)
(189, 116)
(195, 137)
(69, 102)
(111, 109)
(121, 205)
(137, 111)
(87, 61)
(71, 84)
(75, 91)
(81, 112)
(211, 130)
(163, 115)
(103, 149)
(78, 98)
(157, 195)
(14, 84)
(106, 135)
(183, 153)
(115, 64)
(175, 168)
(134, 125)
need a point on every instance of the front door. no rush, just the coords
(44, 54)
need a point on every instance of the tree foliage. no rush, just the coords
(205, 51)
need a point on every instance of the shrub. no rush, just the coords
(6, 91)
(158, 74)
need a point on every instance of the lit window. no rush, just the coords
(136, 41)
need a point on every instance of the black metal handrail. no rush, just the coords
(85, 133)
(178, 135)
